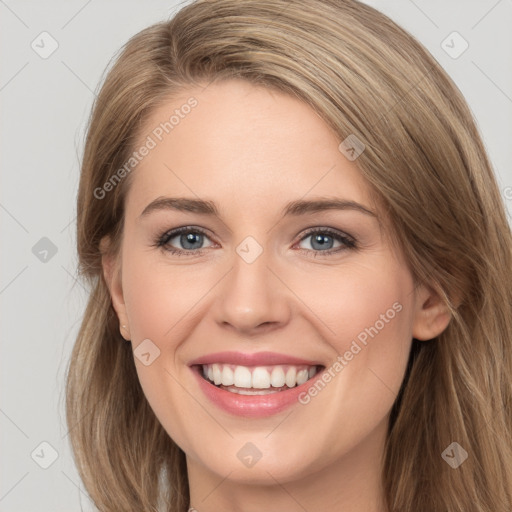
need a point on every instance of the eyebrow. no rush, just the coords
(294, 208)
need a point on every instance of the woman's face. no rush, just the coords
(282, 270)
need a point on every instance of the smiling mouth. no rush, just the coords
(257, 380)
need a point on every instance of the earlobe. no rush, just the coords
(112, 274)
(432, 315)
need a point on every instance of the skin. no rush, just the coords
(251, 151)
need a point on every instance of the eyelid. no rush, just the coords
(347, 240)
(326, 229)
(172, 233)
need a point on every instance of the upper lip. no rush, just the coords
(254, 359)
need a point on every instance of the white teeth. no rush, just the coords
(242, 377)
(291, 377)
(302, 376)
(277, 379)
(227, 376)
(259, 377)
(217, 374)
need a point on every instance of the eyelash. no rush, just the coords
(163, 239)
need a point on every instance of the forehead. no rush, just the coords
(242, 145)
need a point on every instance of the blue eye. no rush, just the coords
(323, 239)
(191, 240)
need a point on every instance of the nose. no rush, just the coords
(251, 299)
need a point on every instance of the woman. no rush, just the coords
(301, 273)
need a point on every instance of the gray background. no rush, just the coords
(45, 106)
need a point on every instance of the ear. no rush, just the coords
(111, 264)
(431, 316)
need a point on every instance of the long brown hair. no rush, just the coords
(425, 161)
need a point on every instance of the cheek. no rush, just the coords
(365, 315)
(163, 305)
(368, 312)
(159, 297)
(159, 303)
(349, 302)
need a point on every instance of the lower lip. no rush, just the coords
(254, 406)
